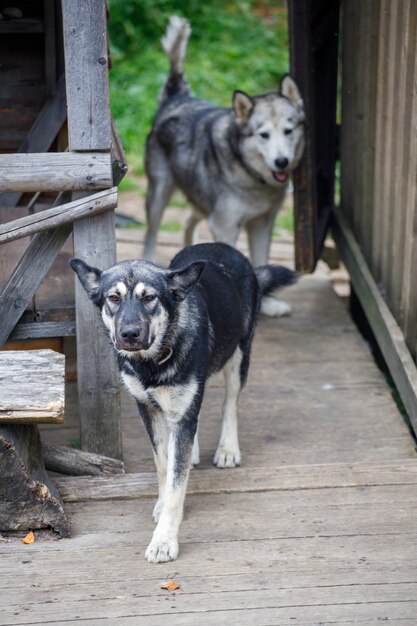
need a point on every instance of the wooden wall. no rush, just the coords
(379, 147)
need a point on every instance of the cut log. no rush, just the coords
(29, 500)
(67, 460)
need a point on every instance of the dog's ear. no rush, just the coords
(182, 281)
(242, 107)
(289, 89)
(89, 278)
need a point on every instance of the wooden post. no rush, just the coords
(89, 129)
(98, 380)
(86, 72)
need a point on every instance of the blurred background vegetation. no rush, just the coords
(241, 44)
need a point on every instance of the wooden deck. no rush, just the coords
(318, 526)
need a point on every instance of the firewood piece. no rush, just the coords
(67, 460)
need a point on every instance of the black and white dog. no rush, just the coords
(233, 164)
(172, 328)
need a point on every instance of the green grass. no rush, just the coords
(234, 45)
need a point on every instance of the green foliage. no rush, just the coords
(234, 45)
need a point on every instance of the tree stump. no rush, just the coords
(29, 499)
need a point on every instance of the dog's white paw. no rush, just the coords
(162, 550)
(226, 457)
(274, 308)
(157, 509)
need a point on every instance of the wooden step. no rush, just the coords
(245, 480)
(32, 387)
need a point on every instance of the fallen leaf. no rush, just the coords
(171, 585)
(30, 538)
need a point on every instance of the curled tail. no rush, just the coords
(174, 42)
(271, 277)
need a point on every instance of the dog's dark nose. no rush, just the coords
(130, 333)
(281, 163)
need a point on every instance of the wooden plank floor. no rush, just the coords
(318, 526)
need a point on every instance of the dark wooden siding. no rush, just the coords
(379, 147)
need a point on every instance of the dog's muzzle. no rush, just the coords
(280, 174)
(133, 338)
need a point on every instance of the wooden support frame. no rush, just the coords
(94, 159)
(383, 324)
(55, 171)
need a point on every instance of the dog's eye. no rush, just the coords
(288, 131)
(150, 297)
(114, 298)
(264, 135)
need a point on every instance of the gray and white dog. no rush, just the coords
(172, 329)
(233, 164)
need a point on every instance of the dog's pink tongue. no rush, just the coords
(281, 177)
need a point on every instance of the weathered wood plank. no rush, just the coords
(394, 242)
(28, 498)
(33, 386)
(86, 65)
(380, 132)
(50, 46)
(408, 284)
(386, 330)
(61, 214)
(259, 479)
(22, 26)
(55, 171)
(98, 378)
(43, 329)
(28, 275)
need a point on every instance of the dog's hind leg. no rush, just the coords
(228, 451)
(160, 188)
(191, 230)
(259, 235)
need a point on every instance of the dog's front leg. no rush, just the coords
(164, 544)
(157, 429)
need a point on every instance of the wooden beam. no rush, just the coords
(43, 132)
(55, 171)
(86, 68)
(62, 214)
(98, 378)
(32, 387)
(383, 324)
(28, 275)
(38, 330)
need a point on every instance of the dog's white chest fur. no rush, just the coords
(173, 401)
